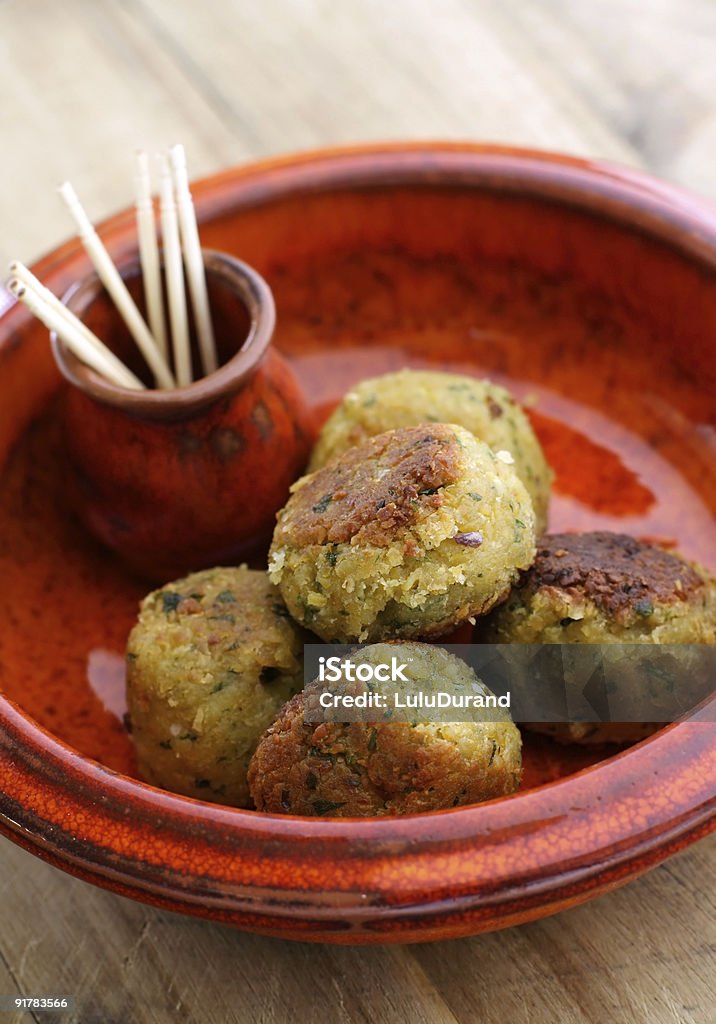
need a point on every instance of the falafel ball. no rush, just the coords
(599, 588)
(410, 397)
(209, 663)
(608, 588)
(358, 768)
(406, 535)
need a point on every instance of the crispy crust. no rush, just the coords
(408, 397)
(356, 769)
(371, 493)
(619, 574)
(414, 531)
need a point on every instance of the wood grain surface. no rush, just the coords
(86, 82)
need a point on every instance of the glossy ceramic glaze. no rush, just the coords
(162, 476)
(591, 292)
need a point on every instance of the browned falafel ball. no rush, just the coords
(209, 663)
(409, 397)
(406, 535)
(601, 587)
(356, 769)
(608, 588)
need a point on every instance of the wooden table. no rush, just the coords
(84, 83)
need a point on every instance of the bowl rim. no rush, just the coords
(82, 816)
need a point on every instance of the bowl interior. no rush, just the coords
(602, 330)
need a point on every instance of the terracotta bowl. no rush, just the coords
(590, 291)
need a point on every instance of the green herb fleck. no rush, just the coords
(331, 557)
(323, 504)
(326, 806)
(644, 608)
(475, 496)
(309, 612)
(321, 754)
(131, 656)
(226, 597)
(170, 601)
(373, 740)
(165, 744)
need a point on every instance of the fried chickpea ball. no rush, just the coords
(404, 536)
(596, 588)
(358, 768)
(410, 397)
(608, 588)
(209, 663)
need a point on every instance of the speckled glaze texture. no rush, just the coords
(569, 281)
(404, 879)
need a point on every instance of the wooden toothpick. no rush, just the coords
(174, 275)
(193, 260)
(111, 279)
(43, 294)
(94, 354)
(149, 253)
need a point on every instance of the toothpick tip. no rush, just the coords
(177, 159)
(69, 195)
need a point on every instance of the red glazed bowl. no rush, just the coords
(590, 291)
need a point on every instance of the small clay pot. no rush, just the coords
(180, 479)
